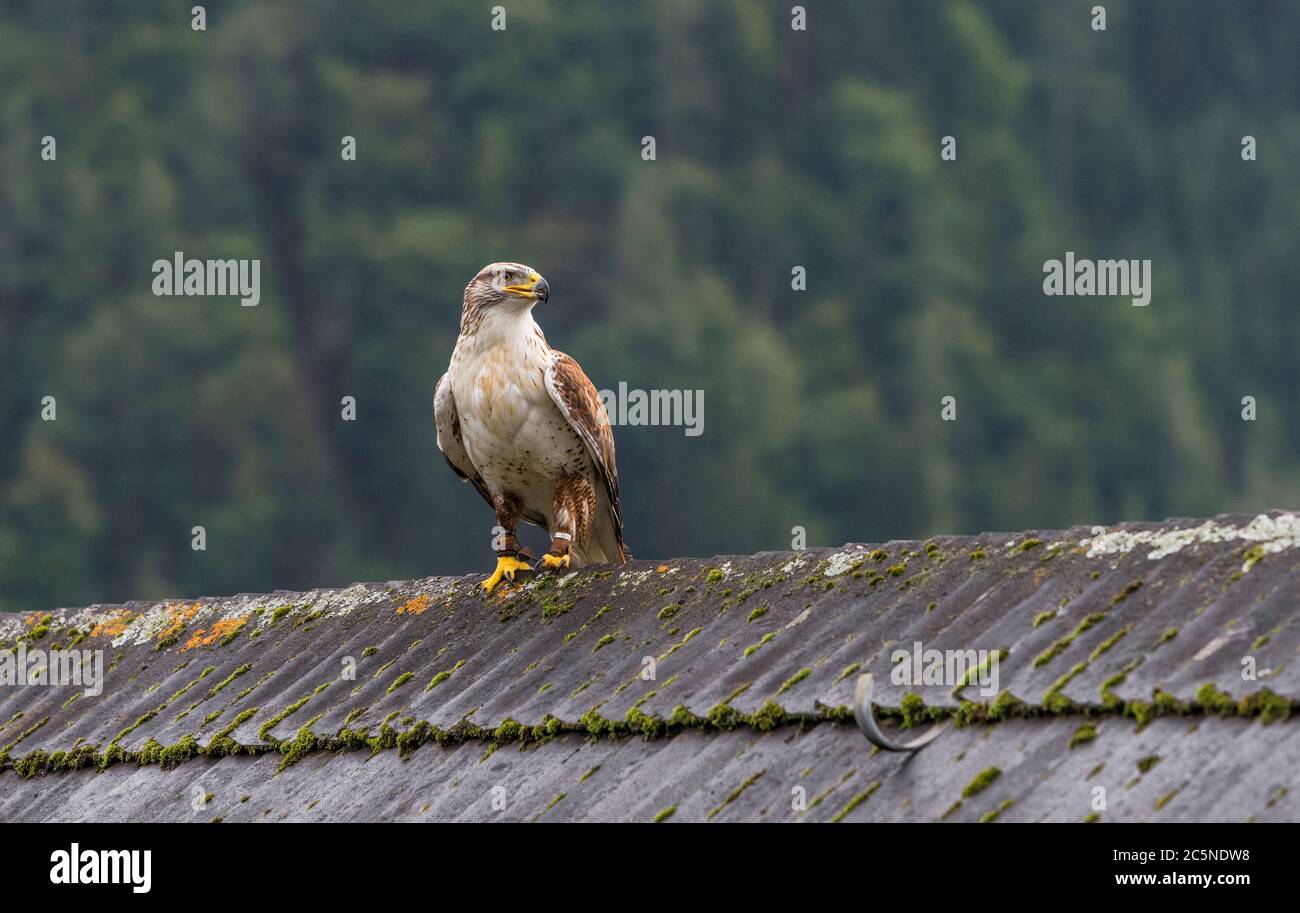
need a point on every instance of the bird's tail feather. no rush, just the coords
(602, 546)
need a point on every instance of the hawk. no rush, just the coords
(521, 422)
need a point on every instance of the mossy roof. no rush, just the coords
(538, 685)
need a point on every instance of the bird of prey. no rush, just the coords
(521, 422)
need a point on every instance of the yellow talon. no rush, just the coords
(507, 567)
(550, 561)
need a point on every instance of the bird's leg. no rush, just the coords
(572, 510)
(558, 554)
(509, 564)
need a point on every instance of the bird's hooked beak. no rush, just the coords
(535, 288)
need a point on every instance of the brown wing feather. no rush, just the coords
(582, 407)
(447, 421)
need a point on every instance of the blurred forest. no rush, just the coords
(775, 148)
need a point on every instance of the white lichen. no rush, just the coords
(1272, 534)
(633, 578)
(842, 562)
(792, 565)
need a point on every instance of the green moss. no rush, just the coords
(369, 651)
(1059, 704)
(913, 711)
(765, 639)
(1085, 733)
(1030, 544)
(1165, 799)
(973, 674)
(650, 727)
(1109, 699)
(669, 611)
(596, 725)
(716, 575)
(302, 744)
(854, 802)
(1145, 764)
(978, 554)
(441, 677)
(756, 614)
(1212, 700)
(400, 681)
(847, 671)
(981, 782)
(1108, 643)
(509, 730)
(992, 815)
(1140, 711)
(1043, 617)
(1168, 705)
(794, 680)
(554, 802)
(265, 732)
(1132, 587)
(603, 642)
(664, 814)
(1058, 646)
(217, 688)
(767, 717)
(735, 794)
(140, 721)
(1167, 635)
(552, 607)
(1266, 705)
(683, 718)
(1251, 557)
(173, 756)
(737, 692)
(724, 716)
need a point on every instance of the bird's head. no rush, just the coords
(511, 286)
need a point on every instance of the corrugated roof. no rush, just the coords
(1134, 630)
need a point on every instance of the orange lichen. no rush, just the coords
(32, 619)
(113, 625)
(223, 629)
(661, 569)
(417, 606)
(178, 614)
